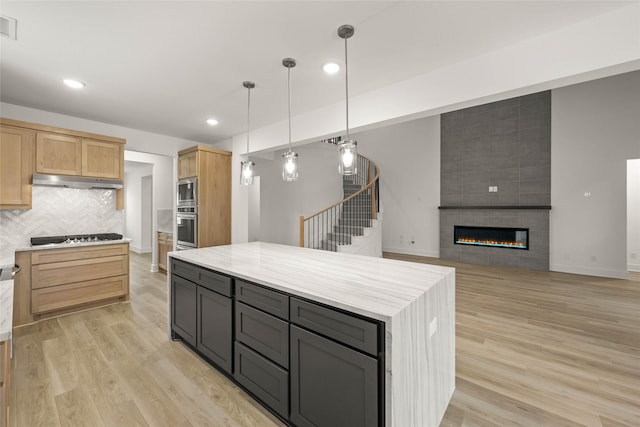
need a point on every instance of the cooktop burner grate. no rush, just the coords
(76, 238)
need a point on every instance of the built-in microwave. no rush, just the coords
(187, 226)
(187, 191)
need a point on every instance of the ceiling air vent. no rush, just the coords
(8, 27)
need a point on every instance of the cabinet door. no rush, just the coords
(331, 385)
(100, 159)
(58, 154)
(183, 308)
(16, 167)
(215, 327)
(188, 165)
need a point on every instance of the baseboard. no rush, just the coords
(139, 250)
(633, 267)
(600, 272)
(154, 268)
(408, 251)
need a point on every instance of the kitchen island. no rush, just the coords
(318, 337)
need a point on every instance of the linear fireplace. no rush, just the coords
(500, 237)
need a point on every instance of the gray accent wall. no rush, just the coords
(505, 144)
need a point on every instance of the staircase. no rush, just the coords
(355, 215)
(345, 226)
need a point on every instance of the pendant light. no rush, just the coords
(290, 159)
(348, 160)
(247, 166)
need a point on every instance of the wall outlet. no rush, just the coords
(493, 189)
(433, 326)
(587, 194)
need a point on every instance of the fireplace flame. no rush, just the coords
(487, 242)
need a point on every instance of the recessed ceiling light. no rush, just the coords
(331, 68)
(212, 122)
(76, 84)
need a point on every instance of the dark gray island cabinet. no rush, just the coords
(312, 359)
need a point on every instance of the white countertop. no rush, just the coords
(374, 287)
(6, 309)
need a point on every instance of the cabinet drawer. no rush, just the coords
(266, 380)
(85, 252)
(352, 331)
(267, 300)
(59, 273)
(264, 333)
(203, 277)
(63, 296)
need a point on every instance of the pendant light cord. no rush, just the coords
(248, 118)
(346, 80)
(289, 80)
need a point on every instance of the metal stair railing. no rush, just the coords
(335, 225)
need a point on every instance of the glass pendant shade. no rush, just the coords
(247, 166)
(348, 160)
(246, 172)
(289, 159)
(290, 166)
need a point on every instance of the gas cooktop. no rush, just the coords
(77, 238)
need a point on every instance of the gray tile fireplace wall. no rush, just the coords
(496, 171)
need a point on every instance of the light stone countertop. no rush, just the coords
(415, 301)
(7, 256)
(6, 309)
(373, 287)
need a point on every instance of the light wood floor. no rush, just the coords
(532, 349)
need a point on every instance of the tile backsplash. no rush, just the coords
(61, 211)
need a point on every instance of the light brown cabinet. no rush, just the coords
(64, 280)
(5, 375)
(101, 159)
(188, 165)
(58, 152)
(165, 245)
(16, 167)
(213, 170)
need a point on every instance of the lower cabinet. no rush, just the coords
(202, 311)
(215, 327)
(312, 365)
(183, 308)
(331, 384)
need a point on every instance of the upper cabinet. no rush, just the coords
(188, 165)
(58, 154)
(101, 159)
(16, 167)
(54, 151)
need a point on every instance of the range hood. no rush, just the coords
(76, 182)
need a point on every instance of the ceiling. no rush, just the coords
(167, 66)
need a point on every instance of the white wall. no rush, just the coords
(146, 223)
(164, 172)
(595, 130)
(633, 214)
(133, 212)
(282, 203)
(408, 155)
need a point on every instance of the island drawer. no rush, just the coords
(350, 330)
(265, 379)
(267, 300)
(203, 277)
(264, 333)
